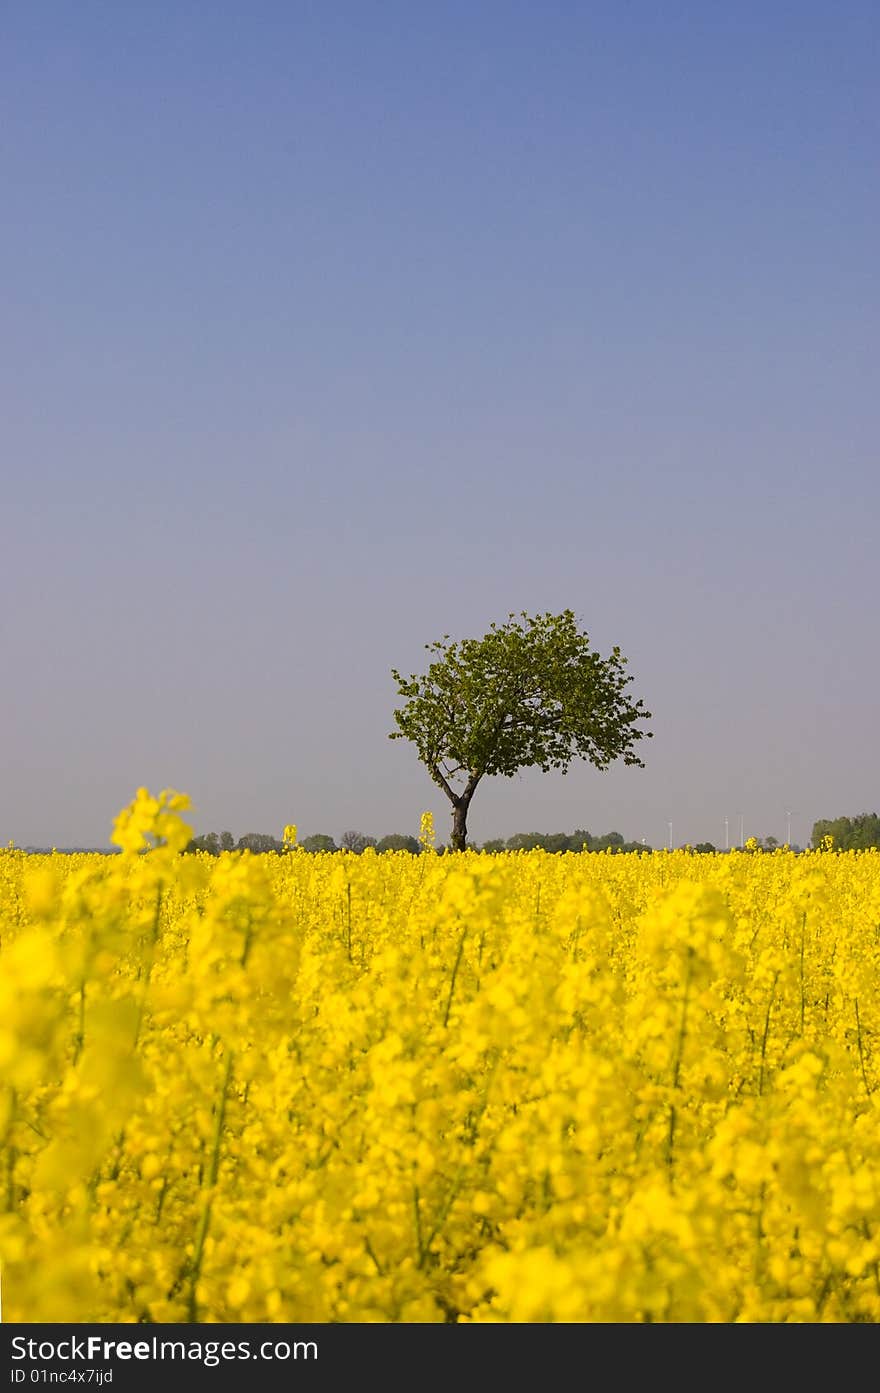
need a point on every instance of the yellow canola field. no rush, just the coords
(520, 1087)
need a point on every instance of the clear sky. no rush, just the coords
(331, 328)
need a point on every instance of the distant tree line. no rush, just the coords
(848, 833)
(564, 841)
(215, 842)
(260, 842)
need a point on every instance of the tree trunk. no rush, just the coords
(458, 841)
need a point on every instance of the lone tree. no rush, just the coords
(530, 692)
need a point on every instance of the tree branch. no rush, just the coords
(441, 783)
(470, 787)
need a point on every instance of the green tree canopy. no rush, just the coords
(848, 833)
(318, 841)
(259, 842)
(530, 693)
(398, 841)
(208, 842)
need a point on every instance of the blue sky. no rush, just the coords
(333, 328)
